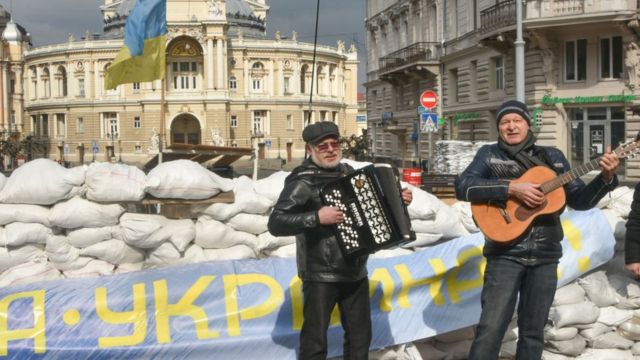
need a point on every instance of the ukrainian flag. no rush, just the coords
(142, 58)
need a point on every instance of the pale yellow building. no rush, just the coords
(226, 84)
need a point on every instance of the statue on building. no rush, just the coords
(548, 59)
(278, 35)
(341, 45)
(215, 10)
(154, 141)
(71, 38)
(632, 63)
(240, 35)
(294, 35)
(353, 48)
(216, 139)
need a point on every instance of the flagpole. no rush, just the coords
(162, 116)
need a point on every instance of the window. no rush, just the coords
(137, 124)
(12, 86)
(307, 118)
(12, 121)
(61, 126)
(257, 85)
(80, 125)
(233, 83)
(138, 149)
(185, 75)
(575, 64)
(611, 56)
(136, 87)
(260, 122)
(289, 122)
(233, 122)
(498, 66)
(110, 124)
(334, 117)
(287, 85)
(454, 95)
(44, 123)
(81, 88)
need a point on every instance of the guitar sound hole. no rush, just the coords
(523, 212)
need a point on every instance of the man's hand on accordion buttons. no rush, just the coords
(330, 215)
(407, 196)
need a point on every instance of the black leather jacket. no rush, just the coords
(318, 254)
(632, 237)
(486, 179)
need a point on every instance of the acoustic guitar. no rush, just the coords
(508, 223)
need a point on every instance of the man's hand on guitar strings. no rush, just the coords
(609, 163)
(407, 196)
(528, 193)
(634, 268)
(329, 215)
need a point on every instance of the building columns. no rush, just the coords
(220, 63)
(210, 63)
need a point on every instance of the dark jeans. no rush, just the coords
(319, 299)
(503, 281)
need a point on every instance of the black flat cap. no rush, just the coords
(314, 133)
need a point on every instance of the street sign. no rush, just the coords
(429, 99)
(267, 143)
(428, 122)
(94, 147)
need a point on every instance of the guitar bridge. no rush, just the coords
(505, 215)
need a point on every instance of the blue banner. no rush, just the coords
(252, 309)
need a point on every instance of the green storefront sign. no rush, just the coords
(551, 100)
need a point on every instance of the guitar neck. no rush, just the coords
(569, 176)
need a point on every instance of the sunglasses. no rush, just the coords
(329, 145)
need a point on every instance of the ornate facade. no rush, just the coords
(226, 84)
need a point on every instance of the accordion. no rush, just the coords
(375, 216)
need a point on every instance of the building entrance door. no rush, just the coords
(592, 130)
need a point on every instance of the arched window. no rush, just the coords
(233, 83)
(257, 77)
(61, 81)
(185, 58)
(303, 78)
(46, 84)
(34, 84)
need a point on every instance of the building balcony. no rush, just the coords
(413, 58)
(498, 17)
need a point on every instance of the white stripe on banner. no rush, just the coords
(252, 309)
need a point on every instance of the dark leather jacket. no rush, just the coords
(318, 254)
(632, 237)
(487, 180)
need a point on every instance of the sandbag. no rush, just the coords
(271, 186)
(80, 213)
(455, 351)
(286, 251)
(266, 241)
(16, 234)
(114, 251)
(424, 205)
(613, 316)
(127, 268)
(29, 272)
(508, 349)
(596, 330)
(59, 250)
(569, 294)
(548, 355)
(185, 179)
(222, 211)
(26, 185)
(212, 234)
(446, 222)
(389, 253)
(193, 254)
(236, 252)
(137, 228)
(24, 213)
(606, 354)
(250, 223)
(580, 313)
(455, 336)
(611, 340)
(248, 199)
(179, 232)
(463, 210)
(559, 334)
(572, 347)
(428, 351)
(14, 256)
(422, 240)
(164, 255)
(630, 329)
(596, 286)
(84, 237)
(94, 268)
(107, 182)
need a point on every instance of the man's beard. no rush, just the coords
(324, 164)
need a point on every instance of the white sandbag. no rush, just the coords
(548, 355)
(164, 255)
(611, 340)
(424, 205)
(559, 334)
(508, 349)
(606, 354)
(14, 256)
(630, 329)
(114, 251)
(24, 213)
(250, 223)
(512, 331)
(389, 253)
(266, 241)
(580, 313)
(107, 182)
(446, 223)
(286, 251)
(596, 330)
(454, 336)
(185, 179)
(3, 181)
(16, 234)
(236, 252)
(463, 210)
(248, 199)
(179, 232)
(193, 254)
(428, 351)
(212, 234)
(613, 316)
(59, 250)
(80, 213)
(222, 211)
(596, 286)
(42, 182)
(94, 268)
(455, 351)
(76, 264)
(422, 240)
(389, 353)
(83, 237)
(136, 229)
(572, 347)
(617, 224)
(271, 186)
(29, 272)
(619, 200)
(127, 268)
(569, 294)
(635, 349)
(625, 285)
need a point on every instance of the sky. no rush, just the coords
(51, 21)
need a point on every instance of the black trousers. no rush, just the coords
(355, 314)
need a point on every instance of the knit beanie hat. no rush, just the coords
(513, 106)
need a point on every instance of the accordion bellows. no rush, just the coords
(375, 216)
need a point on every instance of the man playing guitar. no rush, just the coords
(523, 269)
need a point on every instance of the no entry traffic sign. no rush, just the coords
(429, 99)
